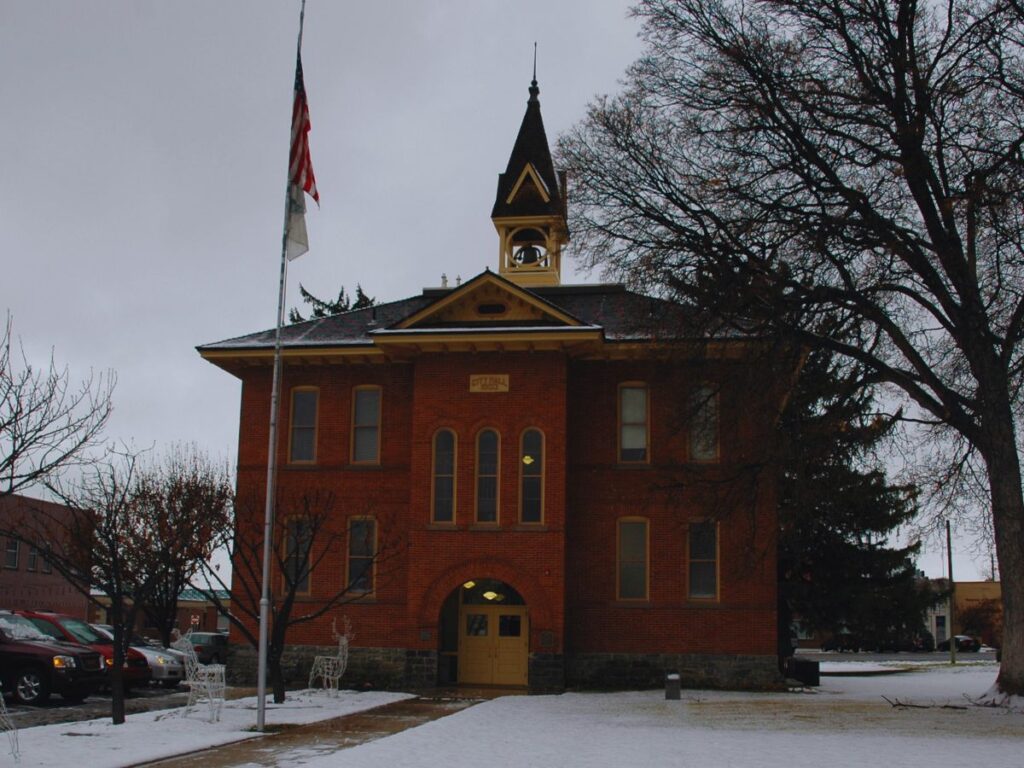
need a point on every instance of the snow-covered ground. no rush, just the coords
(845, 723)
(154, 735)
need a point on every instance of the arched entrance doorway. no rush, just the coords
(485, 635)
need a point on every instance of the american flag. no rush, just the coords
(300, 166)
(300, 172)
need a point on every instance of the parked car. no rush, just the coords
(211, 647)
(842, 641)
(165, 666)
(61, 627)
(963, 643)
(33, 665)
(919, 642)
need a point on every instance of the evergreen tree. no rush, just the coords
(323, 308)
(837, 509)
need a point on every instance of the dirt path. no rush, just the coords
(323, 738)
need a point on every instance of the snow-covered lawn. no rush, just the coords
(154, 735)
(845, 723)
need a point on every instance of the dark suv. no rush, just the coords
(211, 647)
(33, 665)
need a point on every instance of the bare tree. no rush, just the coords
(186, 499)
(122, 528)
(849, 174)
(308, 532)
(46, 423)
(98, 541)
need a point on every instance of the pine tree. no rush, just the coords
(837, 573)
(323, 308)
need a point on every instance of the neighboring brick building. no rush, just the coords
(575, 477)
(27, 580)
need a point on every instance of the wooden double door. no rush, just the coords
(494, 644)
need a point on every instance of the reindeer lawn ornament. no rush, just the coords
(329, 669)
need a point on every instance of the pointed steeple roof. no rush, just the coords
(531, 149)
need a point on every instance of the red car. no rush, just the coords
(70, 629)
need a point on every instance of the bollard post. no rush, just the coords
(672, 687)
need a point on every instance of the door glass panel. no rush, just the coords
(476, 625)
(509, 626)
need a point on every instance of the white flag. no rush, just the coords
(296, 239)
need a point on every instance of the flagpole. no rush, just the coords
(275, 394)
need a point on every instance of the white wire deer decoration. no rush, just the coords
(329, 669)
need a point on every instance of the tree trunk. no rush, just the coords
(276, 676)
(116, 671)
(1008, 522)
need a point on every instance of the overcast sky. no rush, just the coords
(145, 152)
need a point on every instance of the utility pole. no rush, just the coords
(952, 595)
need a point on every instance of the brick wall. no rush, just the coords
(565, 567)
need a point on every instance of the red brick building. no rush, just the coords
(572, 480)
(27, 580)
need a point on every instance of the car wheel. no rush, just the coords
(171, 684)
(30, 686)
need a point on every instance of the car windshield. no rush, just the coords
(82, 632)
(20, 628)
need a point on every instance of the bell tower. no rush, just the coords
(529, 211)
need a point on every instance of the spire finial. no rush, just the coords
(534, 90)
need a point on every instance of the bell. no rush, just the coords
(528, 255)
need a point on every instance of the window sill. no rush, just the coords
(364, 466)
(534, 527)
(363, 599)
(434, 526)
(634, 465)
(485, 527)
(620, 603)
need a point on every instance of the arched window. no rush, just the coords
(362, 553)
(366, 425)
(298, 542)
(531, 477)
(634, 424)
(703, 558)
(487, 448)
(443, 491)
(704, 437)
(302, 446)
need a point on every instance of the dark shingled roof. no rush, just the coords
(531, 147)
(622, 314)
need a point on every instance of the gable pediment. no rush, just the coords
(489, 301)
(529, 187)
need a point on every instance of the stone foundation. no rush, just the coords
(377, 668)
(402, 669)
(622, 670)
(546, 672)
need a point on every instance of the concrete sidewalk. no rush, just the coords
(323, 738)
